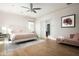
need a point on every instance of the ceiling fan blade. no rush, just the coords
(36, 8)
(34, 11)
(68, 3)
(31, 6)
(24, 7)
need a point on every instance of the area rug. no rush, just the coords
(13, 46)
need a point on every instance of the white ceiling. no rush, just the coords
(16, 8)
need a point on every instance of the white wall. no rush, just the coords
(14, 19)
(37, 27)
(54, 18)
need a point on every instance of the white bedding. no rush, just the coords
(19, 33)
(12, 36)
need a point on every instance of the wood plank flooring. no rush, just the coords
(46, 48)
(1, 49)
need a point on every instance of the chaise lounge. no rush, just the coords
(73, 40)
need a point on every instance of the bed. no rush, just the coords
(19, 34)
(19, 37)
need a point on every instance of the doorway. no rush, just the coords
(47, 30)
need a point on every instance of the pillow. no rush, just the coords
(72, 35)
(76, 37)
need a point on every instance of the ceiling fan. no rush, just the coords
(31, 9)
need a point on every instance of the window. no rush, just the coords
(31, 26)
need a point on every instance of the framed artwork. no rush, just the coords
(68, 21)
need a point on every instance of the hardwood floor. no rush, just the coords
(46, 48)
(1, 46)
(1, 49)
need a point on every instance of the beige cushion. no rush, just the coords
(76, 37)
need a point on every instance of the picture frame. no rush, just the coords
(68, 21)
